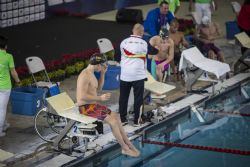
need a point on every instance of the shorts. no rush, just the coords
(166, 66)
(95, 110)
(210, 46)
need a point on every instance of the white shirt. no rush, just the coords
(133, 68)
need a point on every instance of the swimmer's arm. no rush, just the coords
(101, 81)
(152, 49)
(171, 52)
(102, 76)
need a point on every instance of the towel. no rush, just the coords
(153, 69)
(194, 57)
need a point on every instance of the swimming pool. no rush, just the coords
(226, 128)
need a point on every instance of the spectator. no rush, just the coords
(7, 67)
(133, 72)
(157, 18)
(203, 8)
(174, 5)
(87, 98)
(244, 20)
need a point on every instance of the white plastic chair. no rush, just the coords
(35, 65)
(236, 7)
(104, 45)
(106, 48)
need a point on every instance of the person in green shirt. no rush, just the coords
(7, 68)
(174, 5)
(203, 8)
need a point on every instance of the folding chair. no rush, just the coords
(35, 65)
(236, 6)
(105, 46)
(64, 107)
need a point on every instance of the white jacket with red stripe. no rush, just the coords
(133, 58)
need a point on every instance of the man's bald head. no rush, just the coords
(138, 29)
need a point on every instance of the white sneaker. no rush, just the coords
(136, 125)
(6, 126)
(2, 134)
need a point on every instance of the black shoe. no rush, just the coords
(124, 123)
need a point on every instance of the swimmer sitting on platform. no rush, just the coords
(87, 98)
(161, 50)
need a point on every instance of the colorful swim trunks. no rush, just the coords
(95, 110)
(166, 66)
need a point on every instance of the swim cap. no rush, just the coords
(205, 20)
(97, 58)
(163, 33)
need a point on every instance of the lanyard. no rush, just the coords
(163, 20)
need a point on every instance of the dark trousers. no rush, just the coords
(125, 88)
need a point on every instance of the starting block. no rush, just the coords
(65, 107)
(244, 41)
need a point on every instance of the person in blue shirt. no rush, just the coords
(156, 19)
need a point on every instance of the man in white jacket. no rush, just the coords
(133, 72)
